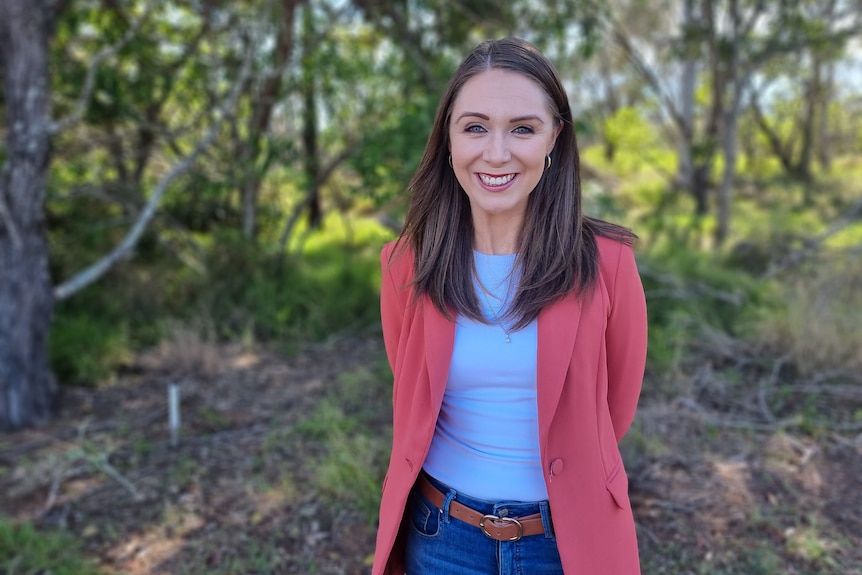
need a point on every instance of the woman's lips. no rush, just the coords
(496, 183)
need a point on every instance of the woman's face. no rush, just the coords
(500, 131)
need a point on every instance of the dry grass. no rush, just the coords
(820, 322)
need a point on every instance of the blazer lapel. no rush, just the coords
(557, 331)
(439, 343)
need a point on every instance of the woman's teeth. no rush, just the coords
(496, 180)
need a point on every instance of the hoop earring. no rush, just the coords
(547, 162)
(450, 161)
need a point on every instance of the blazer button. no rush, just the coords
(557, 466)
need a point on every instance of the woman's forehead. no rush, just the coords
(503, 91)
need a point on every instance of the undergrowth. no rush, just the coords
(25, 551)
(238, 289)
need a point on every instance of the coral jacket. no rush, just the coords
(591, 355)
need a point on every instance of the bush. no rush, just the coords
(690, 291)
(239, 289)
(86, 348)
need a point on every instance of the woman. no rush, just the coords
(515, 328)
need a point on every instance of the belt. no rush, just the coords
(499, 528)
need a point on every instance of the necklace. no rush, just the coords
(494, 316)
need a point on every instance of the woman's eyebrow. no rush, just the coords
(472, 115)
(530, 117)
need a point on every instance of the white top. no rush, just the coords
(486, 443)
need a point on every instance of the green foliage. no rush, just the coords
(330, 288)
(86, 348)
(25, 551)
(637, 144)
(328, 284)
(689, 291)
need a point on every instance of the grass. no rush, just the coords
(348, 453)
(819, 320)
(25, 551)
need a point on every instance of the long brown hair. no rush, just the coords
(557, 245)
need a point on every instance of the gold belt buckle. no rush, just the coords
(505, 520)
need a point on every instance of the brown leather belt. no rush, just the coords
(499, 528)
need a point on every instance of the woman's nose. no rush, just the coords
(497, 150)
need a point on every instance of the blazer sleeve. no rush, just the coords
(391, 305)
(626, 342)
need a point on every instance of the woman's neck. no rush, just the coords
(496, 236)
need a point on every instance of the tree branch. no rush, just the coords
(95, 271)
(80, 107)
(646, 72)
(812, 244)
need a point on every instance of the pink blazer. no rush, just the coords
(591, 356)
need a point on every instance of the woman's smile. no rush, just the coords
(496, 183)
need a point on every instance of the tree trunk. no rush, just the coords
(812, 98)
(737, 81)
(704, 149)
(262, 109)
(688, 83)
(612, 102)
(824, 151)
(27, 387)
(309, 124)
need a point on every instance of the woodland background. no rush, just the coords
(196, 192)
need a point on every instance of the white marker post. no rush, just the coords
(174, 412)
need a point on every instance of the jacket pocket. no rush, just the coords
(617, 485)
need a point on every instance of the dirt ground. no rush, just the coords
(712, 492)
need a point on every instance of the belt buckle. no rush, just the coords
(505, 520)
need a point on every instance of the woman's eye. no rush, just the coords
(474, 129)
(523, 130)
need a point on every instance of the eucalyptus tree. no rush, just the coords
(27, 387)
(722, 46)
(794, 121)
(27, 293)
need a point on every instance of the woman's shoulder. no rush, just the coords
(396, 258)
(614, 252)
(612, 247)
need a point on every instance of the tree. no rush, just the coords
(27, 296)
(732, 41)
(27, 386)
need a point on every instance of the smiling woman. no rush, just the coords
(515, 327)
(503, 129)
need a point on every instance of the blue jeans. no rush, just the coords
(438, 544)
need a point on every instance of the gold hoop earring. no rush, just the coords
(548, 162)
(450, 161)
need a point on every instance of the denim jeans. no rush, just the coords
(438, 544)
